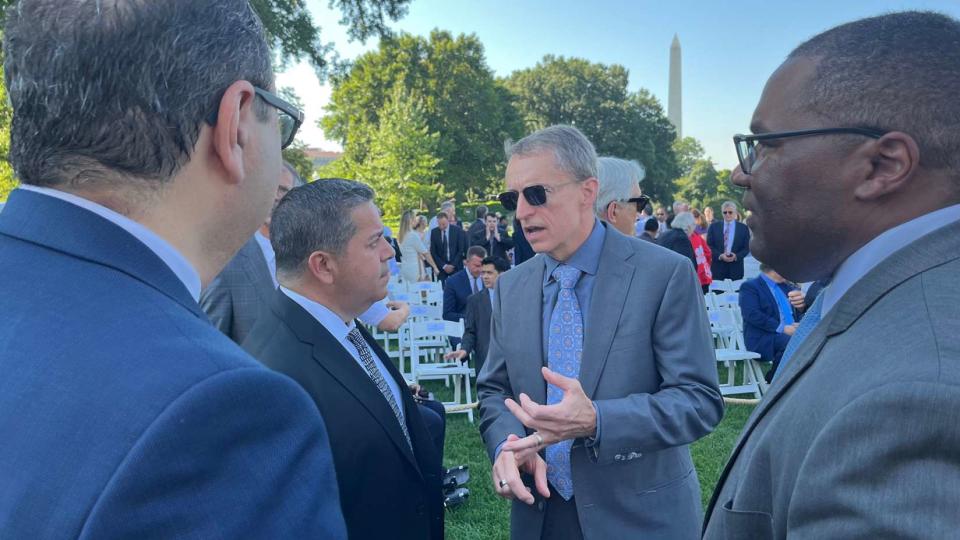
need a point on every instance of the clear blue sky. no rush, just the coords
(729, 48)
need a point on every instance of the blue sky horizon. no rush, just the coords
(729, 49)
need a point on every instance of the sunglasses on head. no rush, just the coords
(535, 195)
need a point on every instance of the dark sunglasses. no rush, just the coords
(535, 195)
(290, 117)
(641, 202)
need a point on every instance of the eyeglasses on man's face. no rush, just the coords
(290, 117)
(746, 145)
(640, 201)
(535, 195)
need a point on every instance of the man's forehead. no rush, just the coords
(778, 109)
(536, 168)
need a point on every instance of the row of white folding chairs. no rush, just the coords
(726, 323)
(726, 299)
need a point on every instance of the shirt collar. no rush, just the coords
(323, 315)
(877, 250)
(166, 252)
(586, 258)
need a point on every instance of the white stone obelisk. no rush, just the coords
(674, 102)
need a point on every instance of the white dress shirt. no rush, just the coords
(339, 330)
(177, 263)
(877, 250)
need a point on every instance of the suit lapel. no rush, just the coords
(258, 273)
(528, 291)
(606, 307)
(65, 227)
(936, 248)
(330, 355)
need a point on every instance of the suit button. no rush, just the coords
(540, 506)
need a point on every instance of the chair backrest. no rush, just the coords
(425, 312)
(727, 299)
(436, 328)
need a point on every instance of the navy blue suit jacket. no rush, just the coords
(761, 317)
(455, 293)
(741, 248)
(125, 414)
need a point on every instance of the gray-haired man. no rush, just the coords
(585, 400)
(619, 201)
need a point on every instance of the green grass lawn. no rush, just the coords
(487, 516)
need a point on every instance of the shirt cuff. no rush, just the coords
(595, 440)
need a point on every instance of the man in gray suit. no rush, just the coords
(858, 435)
(600, 368)
(235, 298)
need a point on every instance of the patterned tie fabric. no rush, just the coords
(807, 324)
(371, 367)
(726, 238)
(565, 348)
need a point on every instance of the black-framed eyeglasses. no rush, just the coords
(747, 144)
(642, 201)
(290, 117)
(535, 195)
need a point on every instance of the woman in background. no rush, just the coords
(413, 251)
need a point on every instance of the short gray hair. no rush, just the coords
(108, 92)
(617, 178)
(684, 221)
(315, 217)
(729, 204)
(574, 153)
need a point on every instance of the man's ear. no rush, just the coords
(322, 267)
(610, 213)
(892, 161)
(231, 133)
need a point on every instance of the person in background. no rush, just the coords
(449, 208)
(708, 216)
(677, 239)
(771, 308)
(476, 333)
(701, 223)
(475, 232)
(413, 251)
(661, 216)
(650, 229)
(619, 201)
(448, 245)
(729, 241)
(522, 251)
(495, 243)
(463, 284)
(147, 140)
(701, 251)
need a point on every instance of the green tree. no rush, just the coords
(688, 151)
(401, 163)
(594, 98)
(705, 186)
(461, 102)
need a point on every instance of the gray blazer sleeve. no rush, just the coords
(886, 465)
(493, 386)
(688, 404)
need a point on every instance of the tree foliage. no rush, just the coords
(460, 102)
(401, 162)
(594, 98)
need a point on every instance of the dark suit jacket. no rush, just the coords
(493, 247)
(476, 231)
(242, 291)
(386, 491)
(761, 317)
(455, 294)
(125, 414)
(458, 249)
(741, 248)
(675, 240)
(522, 251)
(476, 331)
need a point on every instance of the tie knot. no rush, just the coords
(566, 276)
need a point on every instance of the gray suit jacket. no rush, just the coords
(242, 290)
(858, 437)
(649, 366)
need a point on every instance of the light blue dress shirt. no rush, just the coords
(339, 330)
(177, 263)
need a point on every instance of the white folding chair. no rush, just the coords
(423, 335)
(731, 350)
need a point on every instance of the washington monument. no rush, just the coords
(674, 102)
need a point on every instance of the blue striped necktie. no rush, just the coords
(807, 324)
(564, 349)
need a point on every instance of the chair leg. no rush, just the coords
(466, 380)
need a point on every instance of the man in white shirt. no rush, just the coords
(852, 174)
(332, 266)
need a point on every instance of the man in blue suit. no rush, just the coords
(729, 242)
(464, 283)
(147, 157)
(771, 308)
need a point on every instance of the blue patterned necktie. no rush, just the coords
(565, 347)
(807, 324)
